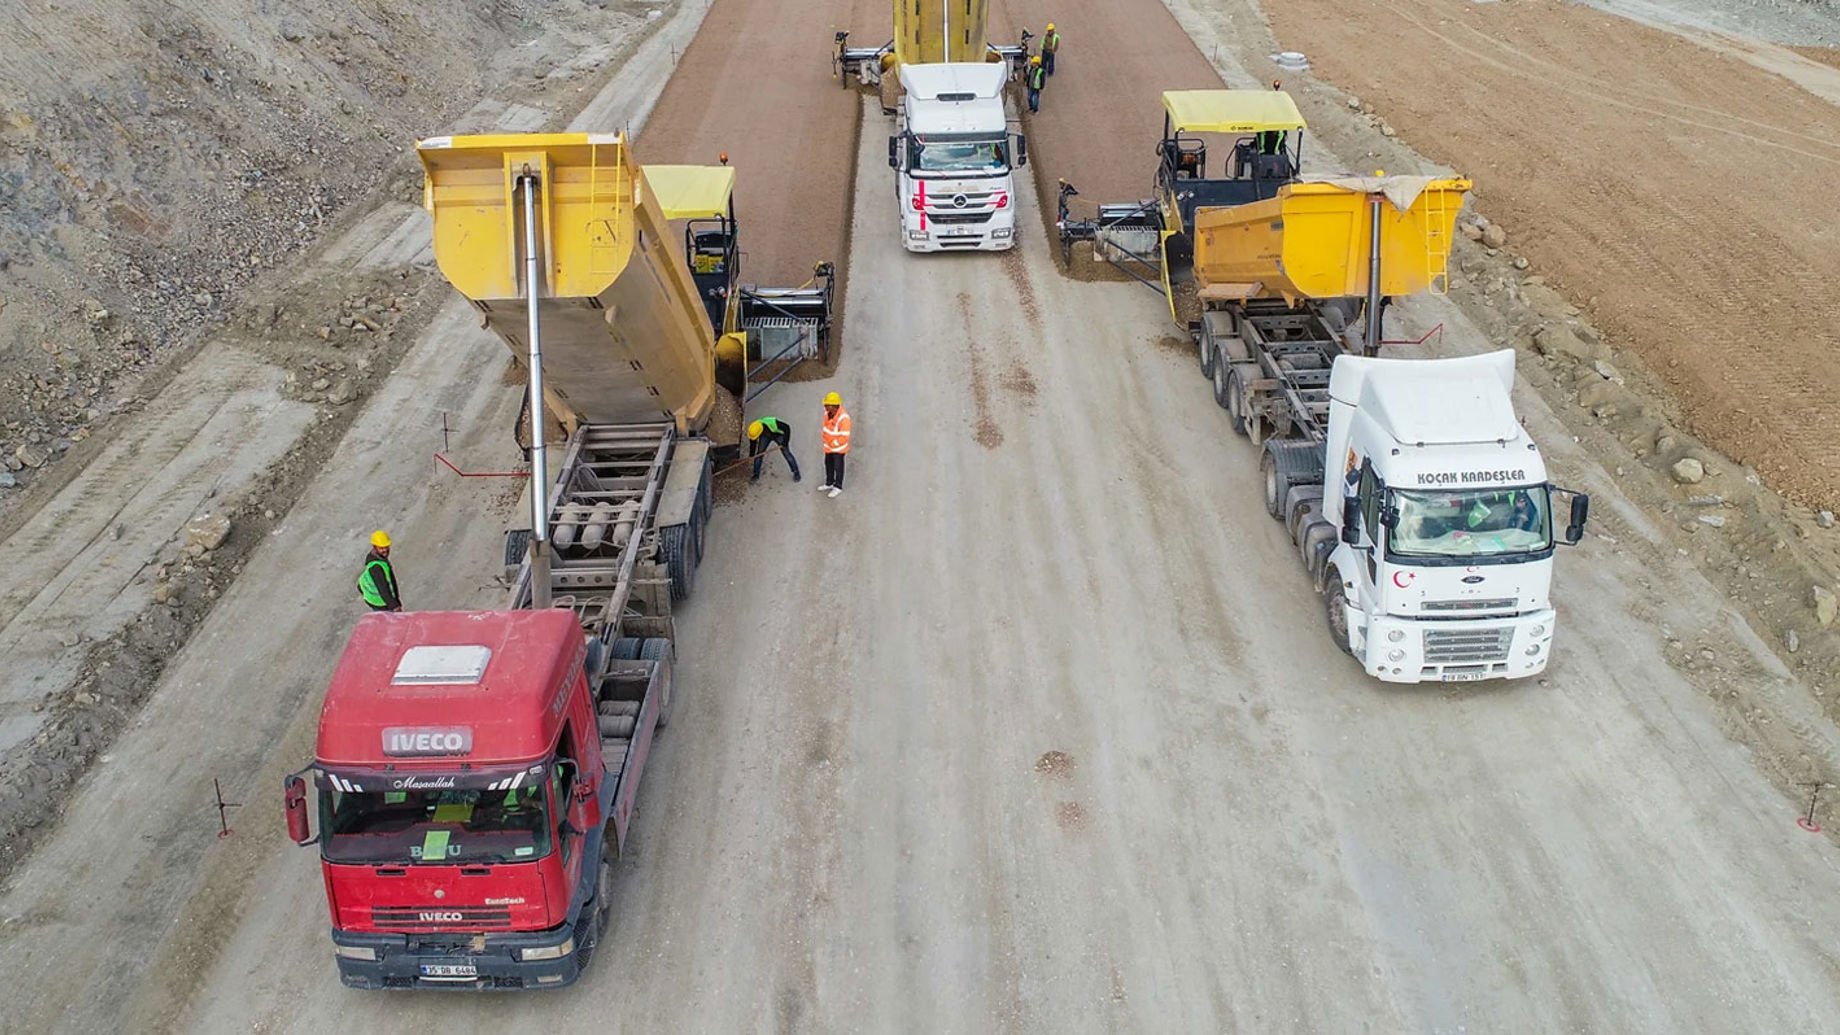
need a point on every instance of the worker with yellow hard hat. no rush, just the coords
(836, 444)
(1034, 78)
(766, 434)
(377, 582)
(1050, 46)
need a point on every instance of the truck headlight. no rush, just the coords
(1395, 635)
(356, 952)
(916, 235)
(1537, 631)
(1395, 655)
(549, 952)
(1002, 231)
(1533, 650)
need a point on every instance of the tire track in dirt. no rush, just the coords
(1665, 200)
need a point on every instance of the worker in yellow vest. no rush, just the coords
(1034, 78)
(1050, 46)
(377, 582)
(836, 437)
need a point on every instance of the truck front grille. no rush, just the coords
(950, 217)
(1473, 604)
(440, 918)
(1467, 646)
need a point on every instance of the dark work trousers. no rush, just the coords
(1034, 99)
(1047, 61)
(833, 469)
(760, 447)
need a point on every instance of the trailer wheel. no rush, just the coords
(1335, 609)
(1210, 358)
(517, 545)
(626, 648)
(1236, 401)
(675, 543)
(660, 650)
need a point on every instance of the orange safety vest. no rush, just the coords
(837, 432)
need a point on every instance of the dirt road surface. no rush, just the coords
(756, 83)
(1675, 205)
(1036, 728)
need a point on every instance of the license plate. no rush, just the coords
(1462, 677)
(449, 970)
(960, 232)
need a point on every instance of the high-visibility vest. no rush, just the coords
(367, 581)
(1038, 75)
(772, 425)
(837, 432)
(1051, 42)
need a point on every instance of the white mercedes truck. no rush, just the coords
(955, 159)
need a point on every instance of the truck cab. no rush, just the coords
(474, 774)
(955, 159)
(1443, 568)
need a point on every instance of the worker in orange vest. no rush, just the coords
(836, 444)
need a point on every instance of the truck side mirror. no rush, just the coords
(1389, 516)
(1022, 150)
(894, 152)
(1351, 521)
(1581, 509)
(295, 798)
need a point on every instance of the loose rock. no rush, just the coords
(1688, 471)
(1825, 605)
(31, 455)
(1824, 518)
(1493, 236)
(207, 531)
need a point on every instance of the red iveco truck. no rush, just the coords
(476, 771)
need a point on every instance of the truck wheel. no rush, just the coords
(1236, 401)
(517, 547)
(1210, 357)
(1335, 608)
(675, 545)
(1277, 484)
(626, 648)
(660, 650)
(603, 885)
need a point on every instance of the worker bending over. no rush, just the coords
(1050, 46)
(763, 435)
(1034, 78)
(836, 444)
(377, 582)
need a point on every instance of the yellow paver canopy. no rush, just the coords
(1231, 111)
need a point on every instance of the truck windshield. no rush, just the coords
(437, 826)
(958, 155)
(1471, 522)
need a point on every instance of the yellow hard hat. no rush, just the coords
(833, 399)
(1050, 26)
(380, 539)
(755, 429)
(1036, 60)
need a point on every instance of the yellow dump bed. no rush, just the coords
(934, 31)
(1312, 239)
(625, 338)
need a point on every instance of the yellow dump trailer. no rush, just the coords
(625, 336)
(926, 32)
(1314, 239)
(935, 31)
